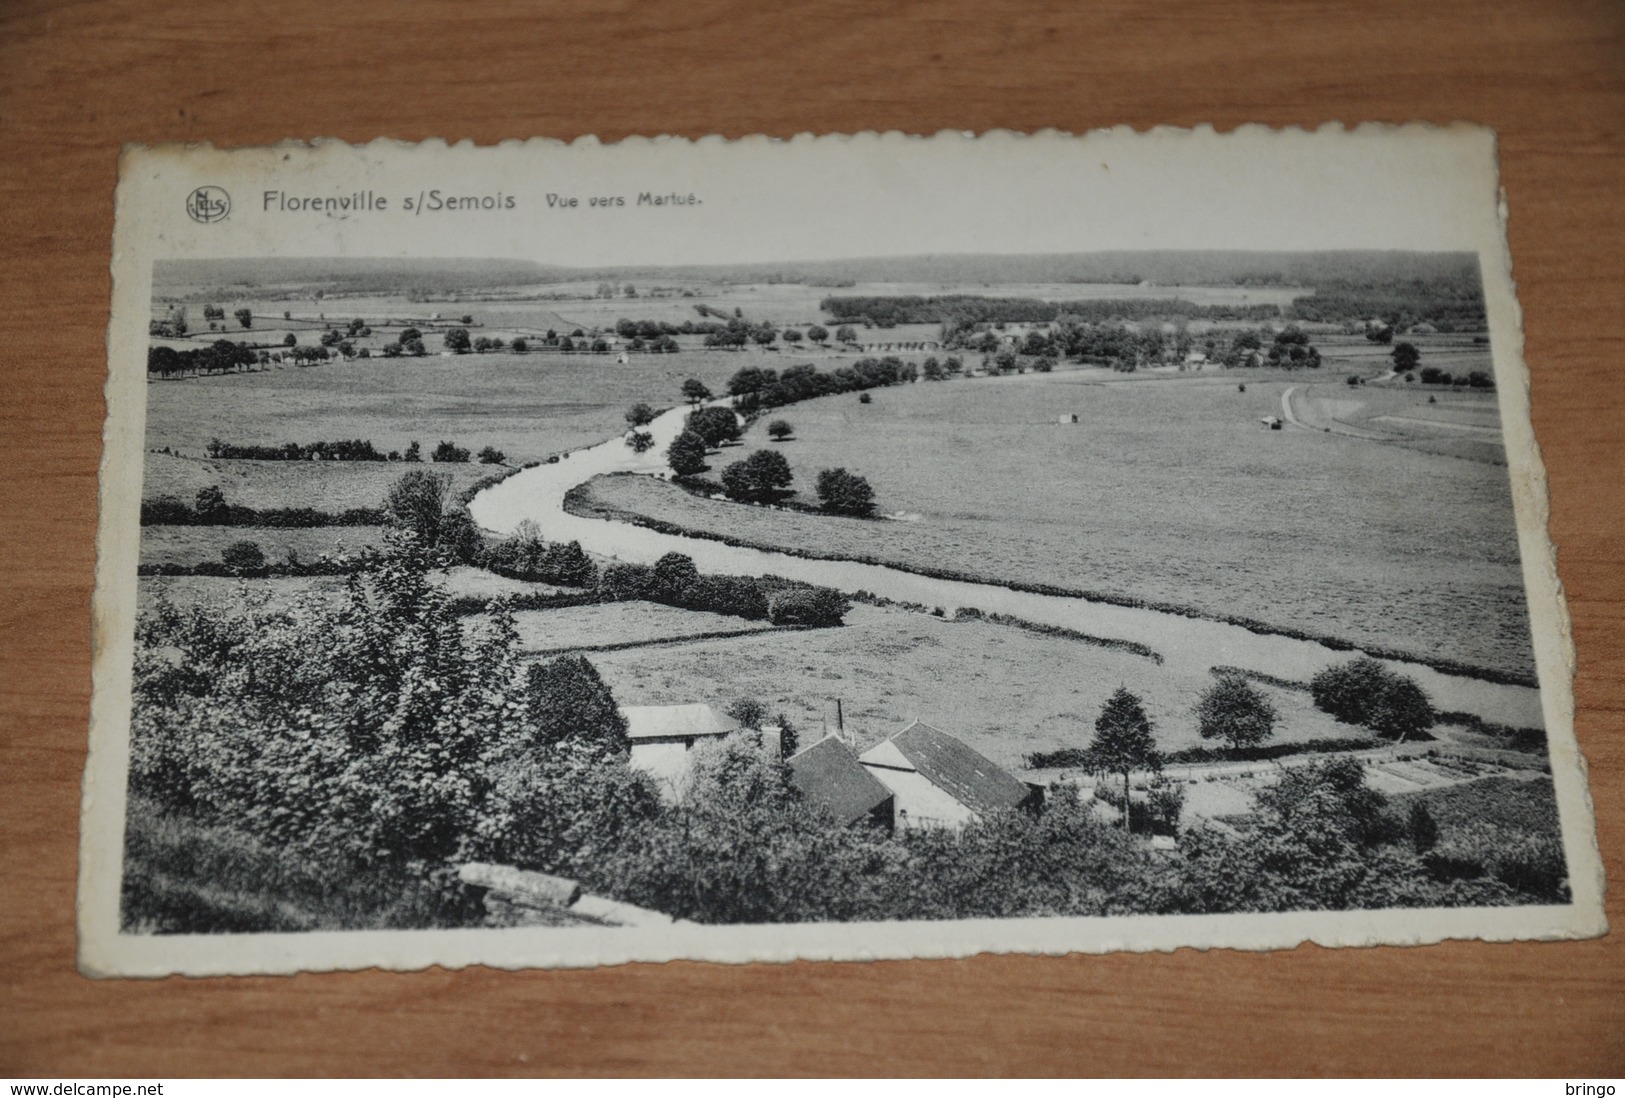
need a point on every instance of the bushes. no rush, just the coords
(345, 450)
(449, 452)
(672, 581)
(714, 424)
(1365, 692)
(811, 606)
(170, 511)
(525, 556)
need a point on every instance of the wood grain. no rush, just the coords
(79, 79)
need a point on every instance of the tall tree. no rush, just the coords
(1123, 742)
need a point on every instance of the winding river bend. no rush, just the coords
(1188, 644)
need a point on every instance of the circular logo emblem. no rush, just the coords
(208, 204)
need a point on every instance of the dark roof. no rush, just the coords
(829, 774)
(973, 779)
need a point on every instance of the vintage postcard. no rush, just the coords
(844, 547)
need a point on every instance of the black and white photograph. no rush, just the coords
(755, 560)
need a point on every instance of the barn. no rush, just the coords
(938, 781)
(829, 775)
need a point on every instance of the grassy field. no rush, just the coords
(338, 485)
(1167, 489)
(528, 406)
(189, 545)
(1004, 691)
(618, 623)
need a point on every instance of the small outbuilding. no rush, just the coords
(663, 737)
(830, 775)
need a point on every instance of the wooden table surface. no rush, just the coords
(77, 79)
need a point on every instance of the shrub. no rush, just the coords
(490, 455)
(243, 556)
(807, 606)
(1365, 692)
(448, 452)
(566, 699)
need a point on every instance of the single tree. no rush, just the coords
(567, 700)
(789, 739)
(490, 455)
(694, 391)
(1123, 742)
(457, 341)
(844, 493)
(289, 340)
(640, 441)
(468, 318)
(639, 414)
(686, 454)
(780, 430)
(791, 336)
(414, 452)
(245, 317)
(818, 333)
(417, 502)
(759, 478)
(1235, 711)
(845, 334)
(1405, 356)
(520, 345)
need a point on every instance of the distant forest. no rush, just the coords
(1451, 306)
(1441, 287)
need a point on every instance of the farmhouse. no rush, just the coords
(829, 775)
(937, 781)
(664, 735)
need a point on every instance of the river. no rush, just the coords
(1189, 644)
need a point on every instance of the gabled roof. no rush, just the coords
(971, 778)
(644, 722)
(829, 774)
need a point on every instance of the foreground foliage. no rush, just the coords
(329, 765)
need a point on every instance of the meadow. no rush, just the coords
(192, 545)
(1167, 489)
(584, 627)
(527, 406)
(337, 485)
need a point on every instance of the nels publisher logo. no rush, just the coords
(207, 204)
